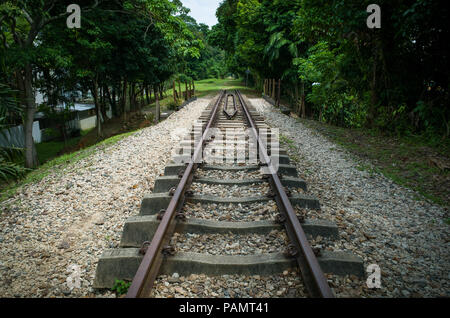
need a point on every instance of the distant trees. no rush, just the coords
(395, 78)
(124, 50)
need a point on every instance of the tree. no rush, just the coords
(395, 78)
(21, 21)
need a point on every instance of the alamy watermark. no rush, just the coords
(374, 277)
(374, 20)
(74, 19)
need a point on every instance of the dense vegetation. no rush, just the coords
(332, 66)
(124, 51)
(335, 69)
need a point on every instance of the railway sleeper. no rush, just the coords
(122, 264)
(287, 170)
(155, 202)
(165, 183)
(282, 159)
(180, 151)
(138, 229)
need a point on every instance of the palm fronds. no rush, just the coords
(9, 169)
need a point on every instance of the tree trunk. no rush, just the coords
(187, 94)
(174, 93)
(158, 110)
(119, 98)
(132, 97)
(302, 103)
(161, 91)
(103, 104)
(98, 112)
(179, 89)
(373, 92)
(273, 89)
(193, 87)
(125, 99)
(296, 99)
(112, 100)
(31, 160)
(146, 94)
(142, 102)
(279, 93)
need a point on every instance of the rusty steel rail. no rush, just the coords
(147, 272)
(312, 274)
(225, 109)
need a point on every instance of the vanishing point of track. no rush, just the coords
(238, 115)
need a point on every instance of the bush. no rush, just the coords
(150, 117)
(172, 105)
(121, 287)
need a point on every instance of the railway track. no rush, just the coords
(230, 159)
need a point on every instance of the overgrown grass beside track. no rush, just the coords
(57, 164)
(415, 162)
(48, 152)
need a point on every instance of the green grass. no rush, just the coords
(48, 152)
(286, 142)
(52, 149)
(211, 86)
(407, 160)
(58, 164)
(121, 287)
(204, 88)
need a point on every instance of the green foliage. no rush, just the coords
(122, 49)
(395, 79)
(150, 117)
(121, 287)
(172, 105)
(9, 170)
(330, 96)
(9, 156)
(59, 165)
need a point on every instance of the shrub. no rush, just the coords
(121, 287)
(172, 105)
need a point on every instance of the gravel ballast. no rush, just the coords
(228, 175)
(231, 244)
(259, 211)
(378, 220)
(57, 227)
(62, 224)
(226, 191)
(287, 284)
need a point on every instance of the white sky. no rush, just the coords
(203, 11)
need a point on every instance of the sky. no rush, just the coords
(203, 11)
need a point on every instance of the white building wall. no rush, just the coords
(88, 123)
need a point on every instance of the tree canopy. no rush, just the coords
(395, 78)
(123, 48)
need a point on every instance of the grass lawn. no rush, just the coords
(211, 86)
(414, 161)
(204, 88)
(52, 149)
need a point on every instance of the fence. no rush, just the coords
(15, 136)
